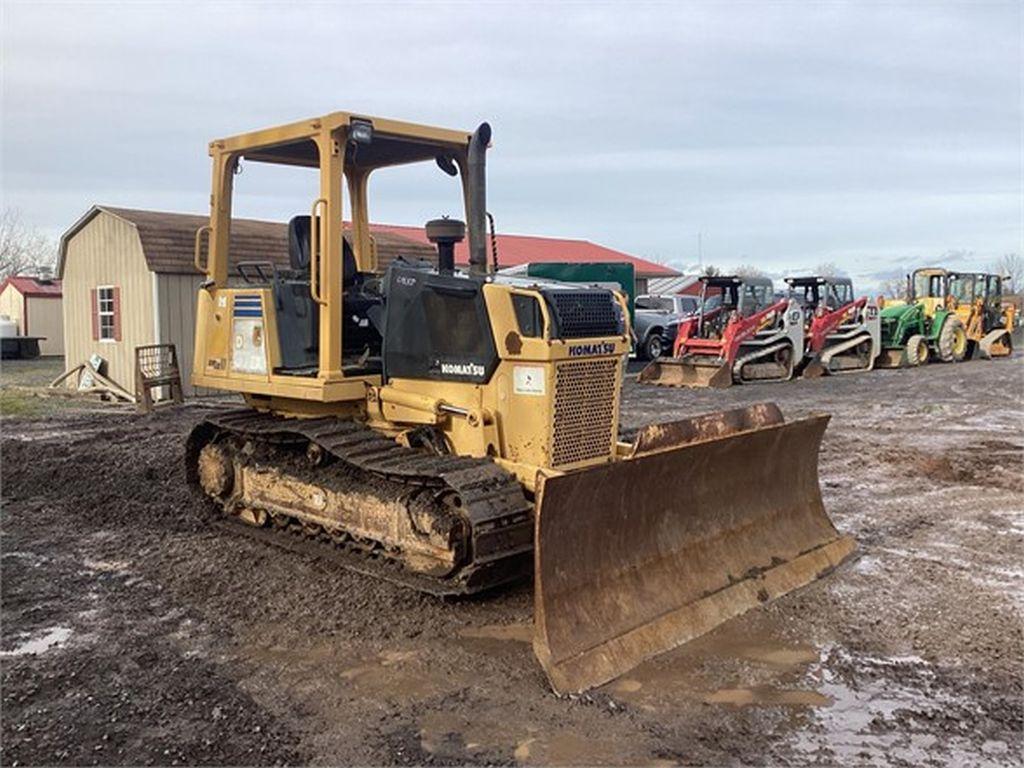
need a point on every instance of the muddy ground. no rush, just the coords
(135, 633)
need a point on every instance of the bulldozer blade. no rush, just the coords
(636, 557)
(680, 372)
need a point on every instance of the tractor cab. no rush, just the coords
(825, 293)
(929, 287)
(978, 288)
(724, 298)
(977, 299)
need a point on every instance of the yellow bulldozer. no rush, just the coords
(454, 430)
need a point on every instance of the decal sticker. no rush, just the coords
(528, 380)
(248, 305)
(463, 369)
(249, 354)
(585, 350)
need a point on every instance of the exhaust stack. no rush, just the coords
(477, 199)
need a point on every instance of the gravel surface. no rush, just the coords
(134, 632)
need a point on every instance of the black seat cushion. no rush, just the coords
(298, 242)
(299, 249)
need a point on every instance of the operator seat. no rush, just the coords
(299, 316)
(299, 235)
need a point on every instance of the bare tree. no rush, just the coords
(893, 288)
(748, 270)
(710, 270)
(23, 249)
(1011, 265)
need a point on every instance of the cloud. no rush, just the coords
(788, 134)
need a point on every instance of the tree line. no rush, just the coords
(24, 250)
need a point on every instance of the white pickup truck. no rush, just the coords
(656, 321)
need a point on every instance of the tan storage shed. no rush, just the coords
(129, 279)
(34, 303)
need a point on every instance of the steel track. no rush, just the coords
(492, 500)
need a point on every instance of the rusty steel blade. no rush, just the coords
(636, 557)
(682, 372)
(707, 426)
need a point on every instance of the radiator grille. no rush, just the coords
(585, 405)
(586, 314)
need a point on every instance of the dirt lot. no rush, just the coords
(134, 632)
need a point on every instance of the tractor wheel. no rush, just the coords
(917, 350)
(952, 342)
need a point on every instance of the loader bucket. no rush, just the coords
(683, 372)
(892, 358)
(708, 518)
(814, 369)
(997, 343)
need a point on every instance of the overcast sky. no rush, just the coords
(874, 135)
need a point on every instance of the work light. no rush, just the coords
(360, 131)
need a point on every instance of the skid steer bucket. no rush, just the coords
(892, 358)
(684, 372)
(707, 518)
(996, 343)
(813, 369)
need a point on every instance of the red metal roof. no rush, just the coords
(168, 242)
(31, 286)
(514, 250)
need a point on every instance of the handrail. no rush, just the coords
(314, 257)
(198, 248)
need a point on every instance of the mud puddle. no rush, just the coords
(397, 674)
(519, 633)
(490, 737)
(760, 669)
(763, 695)
(401, 675)
(874, 719)
(48, 639)
(30, 432)
(497, 639)
(570, 748)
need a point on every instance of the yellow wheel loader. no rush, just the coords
(454, 431)
(977, 299)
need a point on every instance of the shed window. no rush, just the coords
(106, 318)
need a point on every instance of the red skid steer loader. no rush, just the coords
(740, 334)
(843, 334)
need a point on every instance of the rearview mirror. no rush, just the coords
(447, 164)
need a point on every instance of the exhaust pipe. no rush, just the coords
(477, 199)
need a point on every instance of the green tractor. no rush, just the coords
(924, 327)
